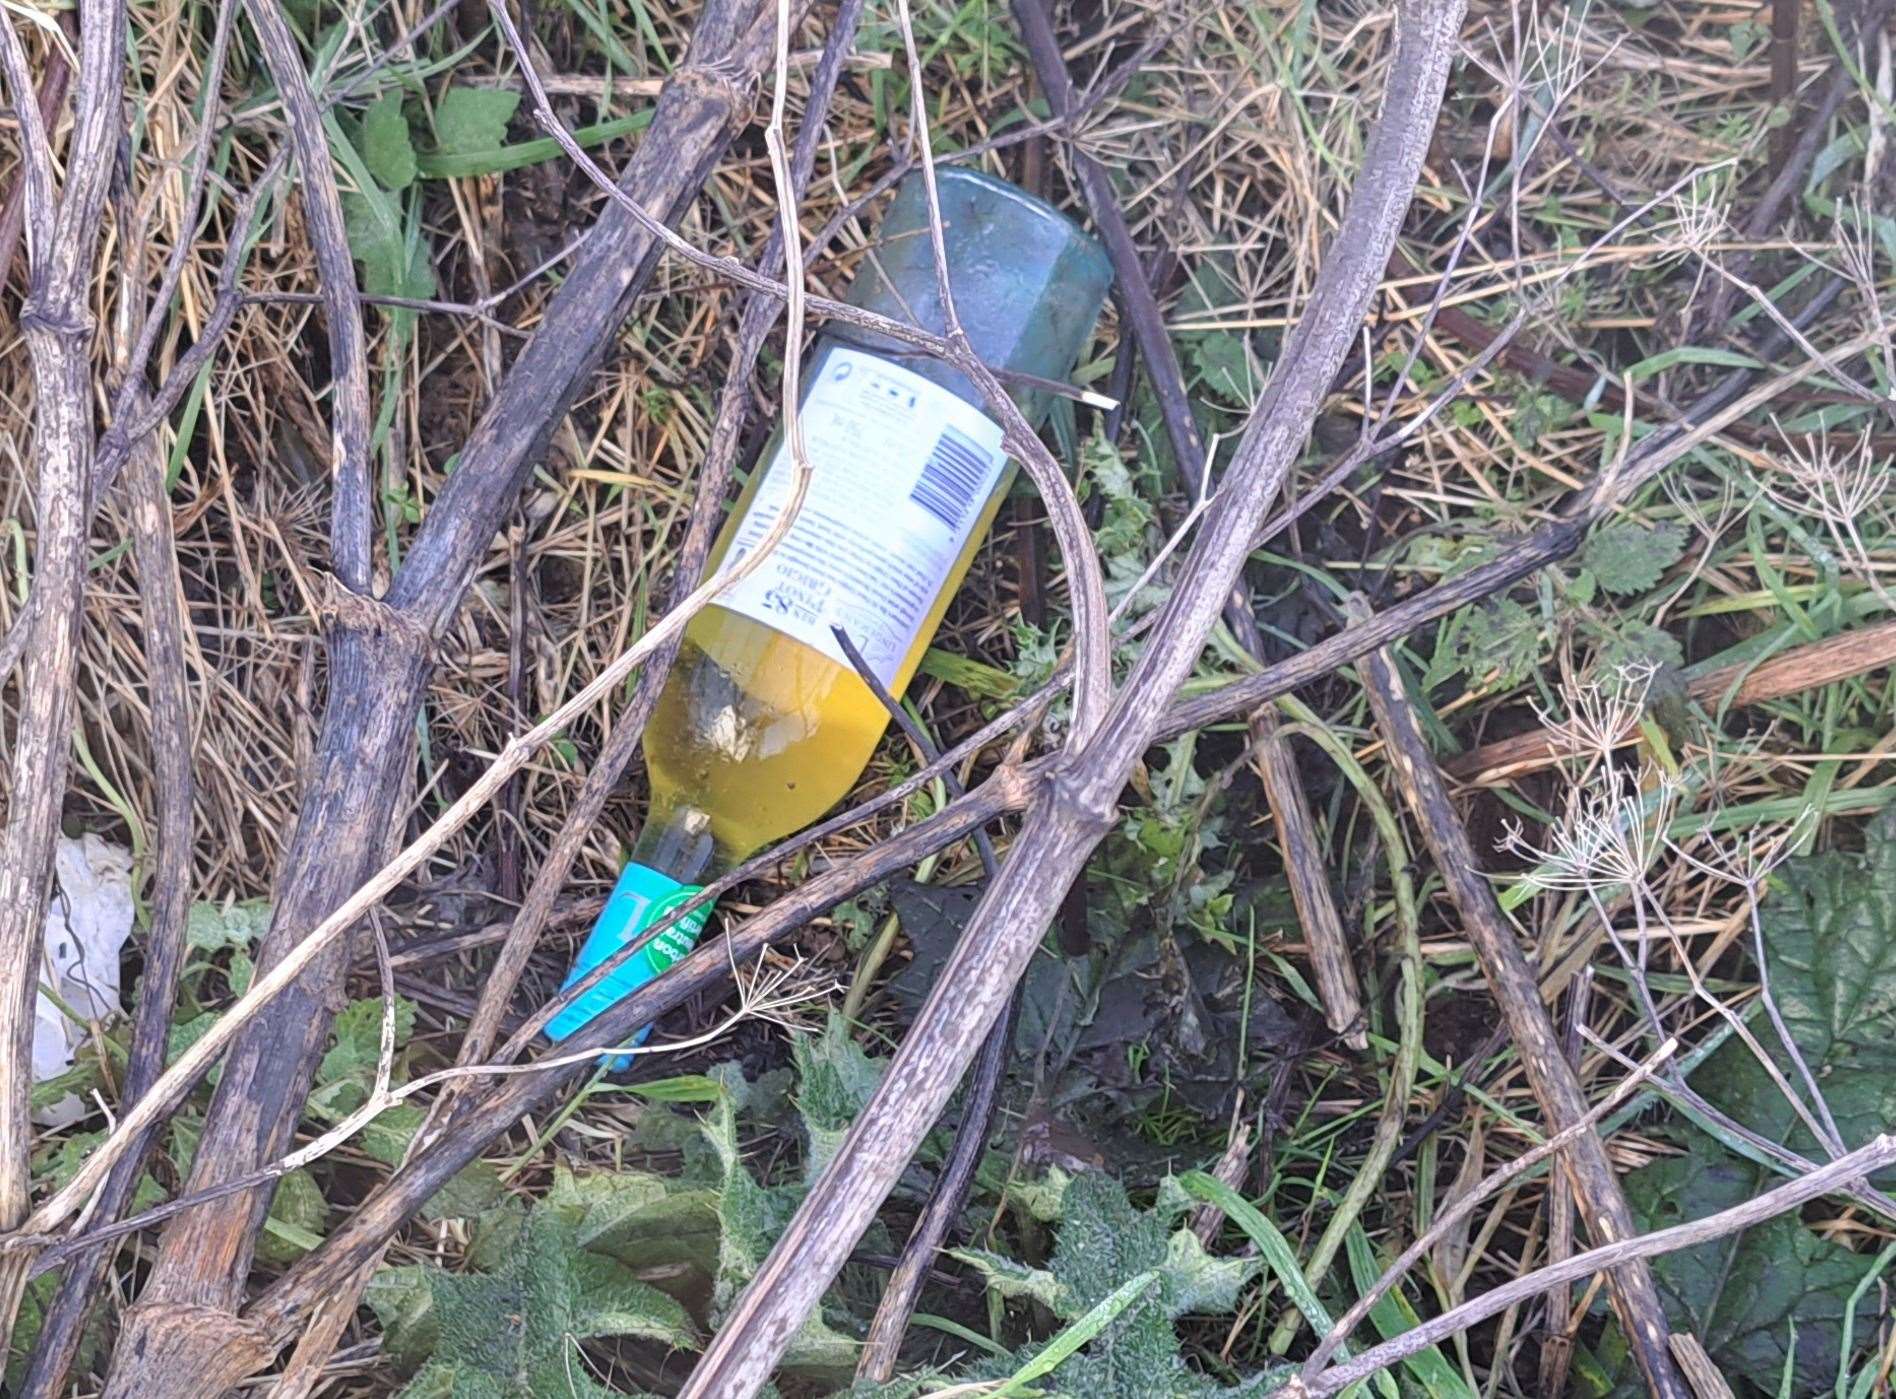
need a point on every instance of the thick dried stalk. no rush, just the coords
(182, 1337)
(165, 616)
(1556, 1353)
(1275, 764)
(1329, 947)
(1596, 1189)
(56, 322)
(1076, 807)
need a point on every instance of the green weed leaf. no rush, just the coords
(211, 928)
(390, 267)
(1744, 1294)
(386, 148)
(1102, 1243)
(515, 1330)
(358, 1046)
(1499, 635)
(469, 120)
(1628, 558)
(834, 1081)
(1829, 930)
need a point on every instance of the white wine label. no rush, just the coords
(901, 469)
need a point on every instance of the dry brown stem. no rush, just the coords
(1596, 1188)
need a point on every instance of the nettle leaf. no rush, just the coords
(1830, 941)
(391, 264)
(1638, 644)
(298, 1216)
(1745, 1296)
(750, 1217)
(1224, 366)
(1498, 635)
(404, 1305)
(472, 119)
(1042, 1198)
(1101, 1242)
(1124, 537)
(211, 928)
(1013, 1279)
(358, 1036)
(31, 1319)
(643, 1220)
(834, 1081)
(515, 1330)
(385, 145)
(1630, 558)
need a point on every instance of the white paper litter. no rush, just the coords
(87, 922)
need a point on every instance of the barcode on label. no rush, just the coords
(953, 478)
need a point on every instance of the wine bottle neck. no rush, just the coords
(676, 841)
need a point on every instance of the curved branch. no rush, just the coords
(1075, 808)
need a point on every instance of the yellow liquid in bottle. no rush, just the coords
(762, 733)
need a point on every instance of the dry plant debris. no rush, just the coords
(1539, 425)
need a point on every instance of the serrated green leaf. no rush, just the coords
(28, 1322)
(1223, 365)
(385, 145)
(1745, 1295)
(404, 1305)
(469, 1193)
(390, 267)
(1498, 635)
(55, 1170)
(185, 1033)
(470, 120)
(1829, 930)
(1829, 933)
(1102, 1242)
(1639, 644)
(387, 1137)
(1630, 558)
(1011, 1278)
(834, 1081)
(1197, 1282)
(513, 1331)
(1042, 1197)
(213, 927)
(298, 1216)
(358, 1040)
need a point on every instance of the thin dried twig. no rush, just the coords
(352, 519)
(1856, 1167)
(1596, 1189)
(1464, 1205)
(1272, 757)
(881, 1348)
